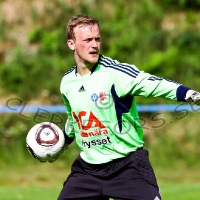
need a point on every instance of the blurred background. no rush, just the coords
(159, 37)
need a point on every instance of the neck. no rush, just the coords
(83, 70)
(83, 66)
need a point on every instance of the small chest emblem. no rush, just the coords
(94, 97)
(82, 89)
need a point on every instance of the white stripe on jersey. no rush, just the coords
(70, 70)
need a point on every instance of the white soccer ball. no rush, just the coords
(45, 141)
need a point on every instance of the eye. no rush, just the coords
(88, 40)
(98, 39)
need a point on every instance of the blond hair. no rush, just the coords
(79, 20)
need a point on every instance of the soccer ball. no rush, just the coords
(45, 141)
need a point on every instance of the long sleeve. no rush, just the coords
(145, 84)
(69, 129)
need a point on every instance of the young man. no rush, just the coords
(99, 94)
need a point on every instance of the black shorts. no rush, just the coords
(130, 178)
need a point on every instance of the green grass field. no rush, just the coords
(170, 191)
(44, 182)
(29, 192)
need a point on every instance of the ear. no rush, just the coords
(71, 44)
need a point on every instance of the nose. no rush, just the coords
(94, 43)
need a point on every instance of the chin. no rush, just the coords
(92, 60)
(95, 59)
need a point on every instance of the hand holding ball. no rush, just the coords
(45, 141)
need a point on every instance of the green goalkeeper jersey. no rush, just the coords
(101, 107)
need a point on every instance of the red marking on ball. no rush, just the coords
(49, 142)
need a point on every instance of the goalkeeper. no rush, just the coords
(99, 94)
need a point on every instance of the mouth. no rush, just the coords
(93, 53)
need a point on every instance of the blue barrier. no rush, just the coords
(61, 108)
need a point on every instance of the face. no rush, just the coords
(86, 45)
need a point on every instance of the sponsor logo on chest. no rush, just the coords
(90, 126)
